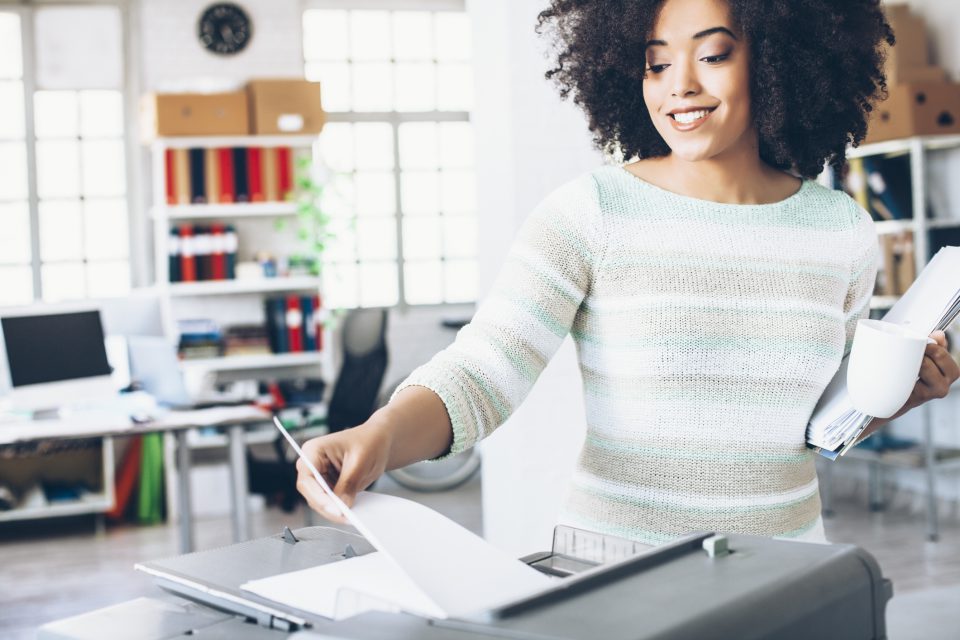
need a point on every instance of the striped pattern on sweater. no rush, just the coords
(705, 334)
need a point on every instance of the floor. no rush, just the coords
(48, 575)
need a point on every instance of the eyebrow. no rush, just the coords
(696, 36)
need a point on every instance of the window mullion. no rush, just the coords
(398, 217)
(30, 140)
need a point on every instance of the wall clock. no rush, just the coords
(224, 28)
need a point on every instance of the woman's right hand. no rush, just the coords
(349, 460)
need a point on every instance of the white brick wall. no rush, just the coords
(173, 56)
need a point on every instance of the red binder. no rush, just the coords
(254, 177)
(126, 479)
(226, 174)
(294, 324)
(188, 260)
(218, 260)
(168, 174)
(284, 172)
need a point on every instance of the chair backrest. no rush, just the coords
(355, 392)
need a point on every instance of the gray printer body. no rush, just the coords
(763, 588)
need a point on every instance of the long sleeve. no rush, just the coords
(495, 360)
(864, 257)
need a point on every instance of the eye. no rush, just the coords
(715, 59)
(657, 68)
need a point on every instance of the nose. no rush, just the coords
(684, 81)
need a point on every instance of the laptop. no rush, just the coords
(154, 365)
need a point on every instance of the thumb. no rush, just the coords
(940, 337)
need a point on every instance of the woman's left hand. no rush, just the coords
(938, 372)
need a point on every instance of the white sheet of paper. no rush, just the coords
(458, 571)
(922, 306)
(346, 588)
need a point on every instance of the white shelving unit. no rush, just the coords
(230, 301)
(926, 456)
(182, 298)
(97, 502)
(227, 287)
(917, 147)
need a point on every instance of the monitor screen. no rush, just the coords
(54, 347)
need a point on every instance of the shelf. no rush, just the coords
(259, 285)
(264, 361)
(237, 210)
(92, 503)
(943, 224)
(188, 142)
(902, 145)
(893, 226)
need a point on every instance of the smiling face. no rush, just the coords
(697, 82)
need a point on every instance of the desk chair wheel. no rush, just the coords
(430, 476)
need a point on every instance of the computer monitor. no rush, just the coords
(55, 359)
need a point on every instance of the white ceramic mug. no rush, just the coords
(884, 366)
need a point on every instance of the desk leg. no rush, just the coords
(238, 483)
(929, 467)
(183, 492)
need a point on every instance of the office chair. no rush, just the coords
(353, 401)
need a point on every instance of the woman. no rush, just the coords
(711, 291)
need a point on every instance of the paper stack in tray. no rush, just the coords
(931, 303)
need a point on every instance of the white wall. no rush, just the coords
(529, 143)
(173, 56)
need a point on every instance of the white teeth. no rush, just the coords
(690, 116)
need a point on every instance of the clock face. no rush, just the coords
(224, 28)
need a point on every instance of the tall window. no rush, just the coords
(398, 88)
(63, 192)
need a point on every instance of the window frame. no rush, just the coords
(395, 119)
(26, 12)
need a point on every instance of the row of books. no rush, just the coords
(202, 252)
(228, 175)
(899, 263)
(294, 323)
(199, 338)
(881, 186)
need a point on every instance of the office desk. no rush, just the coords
(234, 419)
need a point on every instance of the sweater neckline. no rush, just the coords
(804, 185)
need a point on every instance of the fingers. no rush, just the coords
(318, 500)
(349, 482)
(938, 371)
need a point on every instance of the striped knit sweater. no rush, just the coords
(705, 334)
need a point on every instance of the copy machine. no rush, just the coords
(700, 586)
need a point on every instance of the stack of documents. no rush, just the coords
(931, 303)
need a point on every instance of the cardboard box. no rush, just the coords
(912, 50)
(194, 114)
(916, 109)
(285, 106)
(918, 74)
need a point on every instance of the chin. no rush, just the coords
(692, 153)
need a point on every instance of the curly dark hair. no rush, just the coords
(816, 71)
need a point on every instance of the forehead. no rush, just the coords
(679, 20)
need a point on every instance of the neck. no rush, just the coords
(738, 176)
